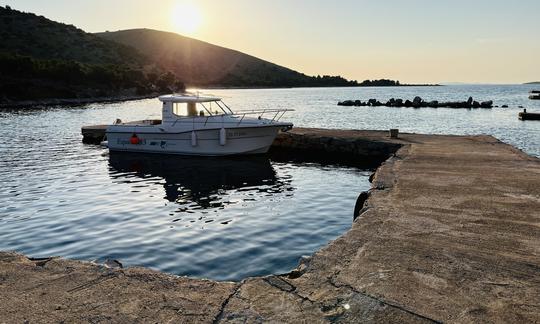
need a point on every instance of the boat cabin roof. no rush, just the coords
(187, 98)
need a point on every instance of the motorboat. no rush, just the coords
(534, 94)
(199, 125)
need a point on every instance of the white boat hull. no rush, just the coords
(207, 142)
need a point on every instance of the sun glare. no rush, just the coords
(186, 18)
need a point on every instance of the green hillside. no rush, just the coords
(27, 34)
(42, 59)
(203, 64)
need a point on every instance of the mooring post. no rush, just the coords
(394, 133)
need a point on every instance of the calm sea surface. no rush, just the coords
(213, 218)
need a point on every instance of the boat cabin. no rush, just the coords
(189, 106)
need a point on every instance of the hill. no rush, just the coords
(202, 64)
(535, 82)
(41, 59)
(27, 34)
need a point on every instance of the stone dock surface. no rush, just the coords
(450, 233)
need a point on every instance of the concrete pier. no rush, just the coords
(450, 232)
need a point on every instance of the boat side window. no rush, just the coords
(180, 109)
(189, 109)
(185, 109)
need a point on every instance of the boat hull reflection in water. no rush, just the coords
(200, 182)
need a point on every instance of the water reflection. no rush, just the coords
(197, 182)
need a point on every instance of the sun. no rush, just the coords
(186, 18)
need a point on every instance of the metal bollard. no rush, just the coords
(394, 133)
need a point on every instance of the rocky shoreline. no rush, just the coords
(418, 102)
(71, 101)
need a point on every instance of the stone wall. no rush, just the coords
(313, 146)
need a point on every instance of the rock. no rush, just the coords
(302, 267)
(417, 102)
(468, 103)
(115, 264)
(486, 104)
(504, 106)
(346, 103)
(360, 203)
(433, 104)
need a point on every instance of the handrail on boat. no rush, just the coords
(261, 113)
(279, 114)
(244, 112)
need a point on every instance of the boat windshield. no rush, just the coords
(193, 109)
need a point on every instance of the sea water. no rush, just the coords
(219, 218)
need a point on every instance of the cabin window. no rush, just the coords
(187, 109)
(193, 109)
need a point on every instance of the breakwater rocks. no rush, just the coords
(418, 102)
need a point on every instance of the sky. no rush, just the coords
(414, 41)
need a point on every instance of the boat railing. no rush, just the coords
(276, 114)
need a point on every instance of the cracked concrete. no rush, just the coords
(449, 233)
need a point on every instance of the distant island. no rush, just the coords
(42, 59)
(390, 83)
(534, 82)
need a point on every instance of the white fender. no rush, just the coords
(193, 138)
(222, 136)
